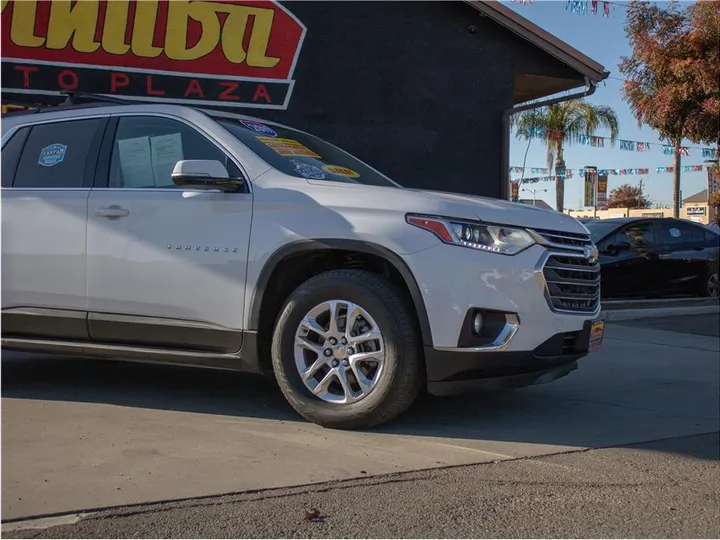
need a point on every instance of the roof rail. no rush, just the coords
(73, 96)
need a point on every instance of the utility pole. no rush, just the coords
(640, 198)
(534, 192)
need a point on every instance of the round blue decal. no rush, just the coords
(52, 155)
(259, 128)
(308, 171)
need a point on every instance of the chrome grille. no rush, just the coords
(564, 240)
(572, 283)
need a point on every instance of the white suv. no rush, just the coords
(167, 233)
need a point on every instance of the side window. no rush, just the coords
(56, 155)
(11, 155)
(638, 235)
(676, 232)
(146, 149)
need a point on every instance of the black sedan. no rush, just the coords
(646, 257)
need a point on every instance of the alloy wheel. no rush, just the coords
(339, 351)
(713, 285)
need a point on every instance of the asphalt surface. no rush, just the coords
(701, 325)
(662, 489)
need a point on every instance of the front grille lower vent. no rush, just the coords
(573, 283)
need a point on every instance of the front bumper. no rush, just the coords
(454, 280)
(459, 371)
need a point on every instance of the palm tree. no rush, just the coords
(564, 124)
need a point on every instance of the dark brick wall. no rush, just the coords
(408, 88)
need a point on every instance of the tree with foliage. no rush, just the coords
(673, 73)
(714, 199)
(563, 124)
(627, 196)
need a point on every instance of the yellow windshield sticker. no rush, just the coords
(340, 171)
(287, 147)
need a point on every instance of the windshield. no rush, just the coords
(599, 229)
(301, 155)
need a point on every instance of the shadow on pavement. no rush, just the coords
(586, 409)
(147, 386)
(701, 325)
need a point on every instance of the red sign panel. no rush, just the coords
(602, 185)
(228, 53)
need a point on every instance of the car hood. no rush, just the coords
(494, 211)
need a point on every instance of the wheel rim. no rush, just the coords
(339, 352)
(713, 285)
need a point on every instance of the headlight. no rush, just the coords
(493, 238)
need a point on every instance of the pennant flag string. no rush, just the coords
(570, 173)
(626, 145)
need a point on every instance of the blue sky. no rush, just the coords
(604, 40)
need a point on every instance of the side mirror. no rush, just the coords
(620, 246)
(205, 174)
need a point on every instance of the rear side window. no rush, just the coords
(11, 155)
(58, 155)
(680, 233)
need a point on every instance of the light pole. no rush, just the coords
(534, 192)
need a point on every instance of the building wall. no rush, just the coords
(409, 88)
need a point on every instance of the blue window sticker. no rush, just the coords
(259, 128)
(52, 155)
(308, 171)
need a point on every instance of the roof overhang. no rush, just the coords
(532, 87)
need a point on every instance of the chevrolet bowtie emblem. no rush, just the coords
(591, 254)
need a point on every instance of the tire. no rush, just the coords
(402, 375)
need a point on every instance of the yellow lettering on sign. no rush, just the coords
(144, 29)
(72, 21)
(77, 21)
(234, 32)
(230, 36)
(22, 25)
(113, 36)
(177, 27)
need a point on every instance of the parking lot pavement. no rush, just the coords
(702, 325)
(82, 434)
(663, 489)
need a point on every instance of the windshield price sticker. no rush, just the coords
(341, 171)
(288, 147)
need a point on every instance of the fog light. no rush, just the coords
(477, 323)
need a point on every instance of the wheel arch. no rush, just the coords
(300, 247)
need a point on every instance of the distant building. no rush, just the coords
(694, 208)
(538, 203)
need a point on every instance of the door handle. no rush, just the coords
(112, 212)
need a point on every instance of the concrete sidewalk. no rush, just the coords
(83, 434)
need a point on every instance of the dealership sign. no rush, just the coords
(696, 210)
(231, 53)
